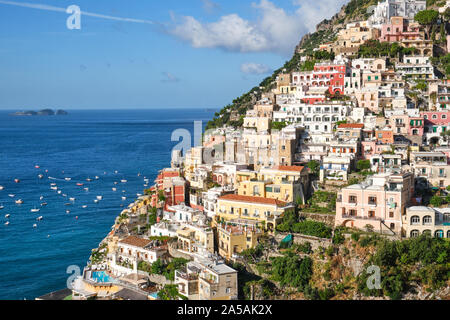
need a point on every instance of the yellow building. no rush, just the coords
(266, 211)
(234, 238)
(285, 183)
(195, 239)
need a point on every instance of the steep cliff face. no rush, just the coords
(326, 31)
(354, 10)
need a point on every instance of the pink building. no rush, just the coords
(416, 126)
(379, 202)
(398, 30)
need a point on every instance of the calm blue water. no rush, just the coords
(81, 145)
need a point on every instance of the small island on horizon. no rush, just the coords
(43, 112)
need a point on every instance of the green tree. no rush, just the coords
(169, 292)
(314, 166)
(427, 18)
(436, 201)
(363, 165)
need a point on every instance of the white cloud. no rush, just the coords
(275, 31)
(210, 6)
(169, 77)
(254, 68)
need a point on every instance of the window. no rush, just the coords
(414, 233)
(372, 200)
(415, 220)
(427, 220)
(353, 199)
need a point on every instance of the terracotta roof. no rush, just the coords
(135, 241)
(251, 199)
(351, 125)
(290, 168)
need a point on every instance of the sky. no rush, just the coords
(146, 53)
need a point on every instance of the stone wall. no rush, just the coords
(321, 217)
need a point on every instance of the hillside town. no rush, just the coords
(351, 141)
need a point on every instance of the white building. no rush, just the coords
(396, 8)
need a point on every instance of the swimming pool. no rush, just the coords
(101, 276)
(154, 295)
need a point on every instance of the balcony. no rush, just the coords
(360, 217)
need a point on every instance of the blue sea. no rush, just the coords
(81, 145)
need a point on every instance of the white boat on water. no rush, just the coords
(114, 189)
(99, 197)
(67, 211)
(124, 198)
(85, 206)
(64, 195)
(59, 191)
(7, 216)
(39, 218)
(67, 179)
(35, 225)
(115, 182)
(123, 181)
(35, 210)
(88, 179)
(41, 197)
(11, 195)
(139, 194)
(40, 176)
(2, 187)
(86, 189)
(97, 177)
(43, 204)
(1, 207)
(53, 184)
(95, 200)
(20, 201)
(52, 178)
(72, 199)
(54, 188)
(116, 171)
(6, 223)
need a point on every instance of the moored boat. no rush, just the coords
(20, 201)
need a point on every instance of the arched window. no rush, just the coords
(427, 220)
(414, 233)
(427, 232)
(415, 220)
(439, 234)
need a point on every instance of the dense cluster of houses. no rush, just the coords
(218, 198)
